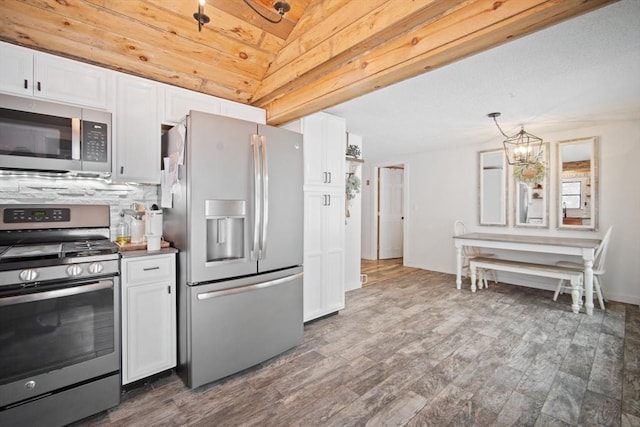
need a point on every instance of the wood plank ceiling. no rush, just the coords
(322, 53)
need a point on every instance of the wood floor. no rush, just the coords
(415, 351)
(378, 270)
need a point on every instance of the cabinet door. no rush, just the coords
(16, 70)
(63, 80)
(313, 255)
(334, 215)
(335, 143)
(137, 131)
(242, 111)
(323, 253)
(324, 150)
(313, 133)
(150, 330)
(178, 102)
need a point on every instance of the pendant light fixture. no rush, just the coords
(522, 148)
(281, 7)
(200, 16)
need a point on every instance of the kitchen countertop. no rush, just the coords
(144, 252)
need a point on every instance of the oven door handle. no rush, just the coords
(58, 293)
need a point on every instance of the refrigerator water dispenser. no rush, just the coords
(225, 229)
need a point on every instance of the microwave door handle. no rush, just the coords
(75, 138)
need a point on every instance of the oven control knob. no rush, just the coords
(95, 268)
(28, 275)
(74, 270)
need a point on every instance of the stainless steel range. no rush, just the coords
(59, 314)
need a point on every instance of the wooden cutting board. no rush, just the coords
(140, 246)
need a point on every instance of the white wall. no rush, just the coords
(442, 187)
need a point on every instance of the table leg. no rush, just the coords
(473, 279)
(576, 299)
(588, 286)
(459, 267)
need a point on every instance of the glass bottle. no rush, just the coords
(123, 235)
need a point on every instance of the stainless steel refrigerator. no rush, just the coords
(237, 220)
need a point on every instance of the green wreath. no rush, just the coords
(530, 173)
(352, 187)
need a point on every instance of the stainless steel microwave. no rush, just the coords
(46, 137)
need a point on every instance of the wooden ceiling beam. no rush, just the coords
(477, 26)
(337, 40)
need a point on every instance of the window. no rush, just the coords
(571, 194)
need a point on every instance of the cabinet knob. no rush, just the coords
(26, 84)
(39, 87)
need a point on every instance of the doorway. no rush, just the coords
(390, 212)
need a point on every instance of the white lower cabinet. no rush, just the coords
(148, 315)
(323, 253)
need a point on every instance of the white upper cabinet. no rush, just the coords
(242, 111)
(137, 132)
(16, 70)
(178, 102)
(324, 150)
(30, 73)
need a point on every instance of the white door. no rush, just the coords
(390, 214)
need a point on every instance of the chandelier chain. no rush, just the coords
(281, 13)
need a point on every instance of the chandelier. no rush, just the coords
(522, 148)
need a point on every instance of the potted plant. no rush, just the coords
(353, 151)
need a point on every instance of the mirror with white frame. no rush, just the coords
(578, 184)
(531, 206)
(492, 193)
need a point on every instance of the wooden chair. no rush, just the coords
(598, 270)
(470, 252)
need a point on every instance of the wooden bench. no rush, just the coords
(574, 276)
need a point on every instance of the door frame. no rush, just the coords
(375, 250)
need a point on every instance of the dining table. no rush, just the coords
(576, 246)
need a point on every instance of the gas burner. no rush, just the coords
(89, 247)
(32, 251)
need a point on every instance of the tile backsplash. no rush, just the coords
(25, 189)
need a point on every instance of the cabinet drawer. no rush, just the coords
(148, 269)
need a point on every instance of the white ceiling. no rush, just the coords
(574, 74)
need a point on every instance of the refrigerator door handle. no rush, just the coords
(241, 289)
(265, 198)
(257, 196)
